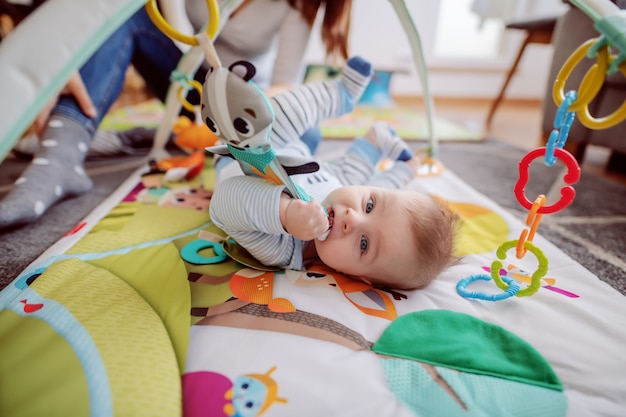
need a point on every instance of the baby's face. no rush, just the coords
(370, 233)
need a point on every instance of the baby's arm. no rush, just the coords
(306, 105)
(248, 210)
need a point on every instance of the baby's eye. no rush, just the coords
(369, 206)
(244, 127)
(363, 244)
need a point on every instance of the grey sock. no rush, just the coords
(390, 144)
(55, 172)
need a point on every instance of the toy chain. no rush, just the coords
(571, 104)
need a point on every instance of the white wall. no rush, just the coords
(378, 36)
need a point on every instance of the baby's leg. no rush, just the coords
(390, 144)
(358, 164)
(306, 105)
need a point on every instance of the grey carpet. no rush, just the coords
(592, 230)
(20, 246)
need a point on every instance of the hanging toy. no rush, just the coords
(245, 120)
(191, 136)
(241, 115)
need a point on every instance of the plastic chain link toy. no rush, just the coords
(611, 22)
(191, 136)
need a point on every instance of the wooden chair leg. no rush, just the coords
(507, 80)
(617, 163)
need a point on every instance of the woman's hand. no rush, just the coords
(75, 87)
(301, 219)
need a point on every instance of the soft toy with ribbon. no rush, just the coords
(247, 122)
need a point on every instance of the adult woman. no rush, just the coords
(57, 168)
(273, 35)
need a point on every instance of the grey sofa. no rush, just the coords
(572, 29)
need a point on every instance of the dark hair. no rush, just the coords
(17, 11)
(335, 26)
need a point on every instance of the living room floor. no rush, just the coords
(518, 123)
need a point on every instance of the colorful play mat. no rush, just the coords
(408, 122)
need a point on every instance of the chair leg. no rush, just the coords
(507, 80)
(617, 163)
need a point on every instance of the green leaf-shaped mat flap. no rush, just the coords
(465, 343)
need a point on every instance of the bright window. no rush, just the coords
(461, 34)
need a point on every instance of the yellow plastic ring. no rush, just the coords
(161, 23)
(611, 120)
(592, 81)
(183, 100)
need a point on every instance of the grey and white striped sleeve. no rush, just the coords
(247, 209)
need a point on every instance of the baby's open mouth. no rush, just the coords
(331, 221)
(331, 218)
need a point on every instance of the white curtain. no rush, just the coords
(504, 10)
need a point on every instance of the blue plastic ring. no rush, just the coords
(461, 288)
(190, 252)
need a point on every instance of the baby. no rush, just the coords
(374, 231)
(358, 221)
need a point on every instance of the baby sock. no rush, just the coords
(355, 76)
(56, 171)
(390, 144)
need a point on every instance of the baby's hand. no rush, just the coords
(301, 219)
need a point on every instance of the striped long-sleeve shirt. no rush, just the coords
(247, 208)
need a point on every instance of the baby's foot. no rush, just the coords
(355, 76)
(390, 144)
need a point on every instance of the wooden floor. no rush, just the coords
(517, 122)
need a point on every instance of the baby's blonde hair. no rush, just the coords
(435, 229)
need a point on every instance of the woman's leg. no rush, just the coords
(155, 56)
(57, 168)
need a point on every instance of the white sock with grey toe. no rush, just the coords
(390, 144)
(55, 172)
